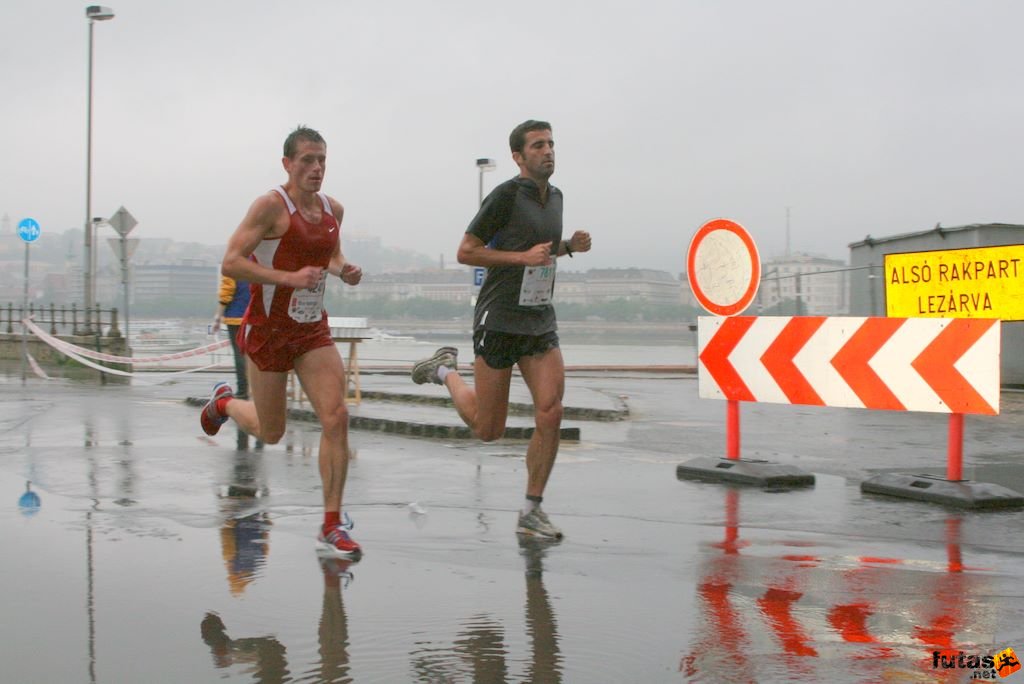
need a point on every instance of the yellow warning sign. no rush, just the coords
(980, 282)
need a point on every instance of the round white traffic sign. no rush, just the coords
(723, 267)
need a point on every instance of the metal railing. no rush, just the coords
(61, 320)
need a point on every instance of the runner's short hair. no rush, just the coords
(301, 132)
(517, 139)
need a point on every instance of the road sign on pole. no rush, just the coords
(123, 248)
(723, 267)
(28, 229)
(122, 221)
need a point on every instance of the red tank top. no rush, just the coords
(303, 244)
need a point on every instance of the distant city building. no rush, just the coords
(187, 279)
(590, 287)
(12, 282)
(449, 285)
(571, 288)
(630, 284)
(817, 283)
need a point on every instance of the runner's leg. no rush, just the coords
(545, 376)
(241, 379)
(484, 406)
(263, 417)
(322, 375)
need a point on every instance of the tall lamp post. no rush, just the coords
(483, 165)
(93, 13)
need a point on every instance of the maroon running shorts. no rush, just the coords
(275, 349)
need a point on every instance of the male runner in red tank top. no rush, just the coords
(286, 246)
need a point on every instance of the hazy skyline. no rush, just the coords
(863, 117)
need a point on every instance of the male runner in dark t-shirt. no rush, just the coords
(516, 234)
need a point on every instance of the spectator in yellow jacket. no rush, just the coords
(233, 298)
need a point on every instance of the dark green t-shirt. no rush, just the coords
(512, 218)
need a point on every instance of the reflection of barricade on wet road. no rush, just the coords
(774, 610)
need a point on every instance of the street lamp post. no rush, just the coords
(93, 13)
(483, 165)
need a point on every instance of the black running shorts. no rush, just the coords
(503, 350)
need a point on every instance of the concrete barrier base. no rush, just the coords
(935, 489)
(743, 471)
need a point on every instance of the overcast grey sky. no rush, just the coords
(865, 117)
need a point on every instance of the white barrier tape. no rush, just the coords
(67, 348)
(100, 356)
(115, 371)
(36, 368)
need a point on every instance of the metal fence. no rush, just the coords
(62, 320)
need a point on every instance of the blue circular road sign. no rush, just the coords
(28, 229)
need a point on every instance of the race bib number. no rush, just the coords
(307, 306)
(538, 285)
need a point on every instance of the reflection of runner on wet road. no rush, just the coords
(480, 653)
(333, 629)
(266, 654)
(287, 245)
(516, 235)
(546, 663)
(269, 657)
(245, 531)
(245, 544)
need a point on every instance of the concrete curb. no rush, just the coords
(514, 408)
(411, 428)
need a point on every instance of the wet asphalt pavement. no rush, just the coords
(137, 565)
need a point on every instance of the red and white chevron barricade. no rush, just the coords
(904, 364)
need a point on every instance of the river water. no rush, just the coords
(402, 346)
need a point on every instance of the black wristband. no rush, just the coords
(568, 251)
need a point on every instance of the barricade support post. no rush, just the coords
(955, 459)
(732, 429)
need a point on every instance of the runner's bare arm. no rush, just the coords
(348, 272)
(473, 252)
(263, 220)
